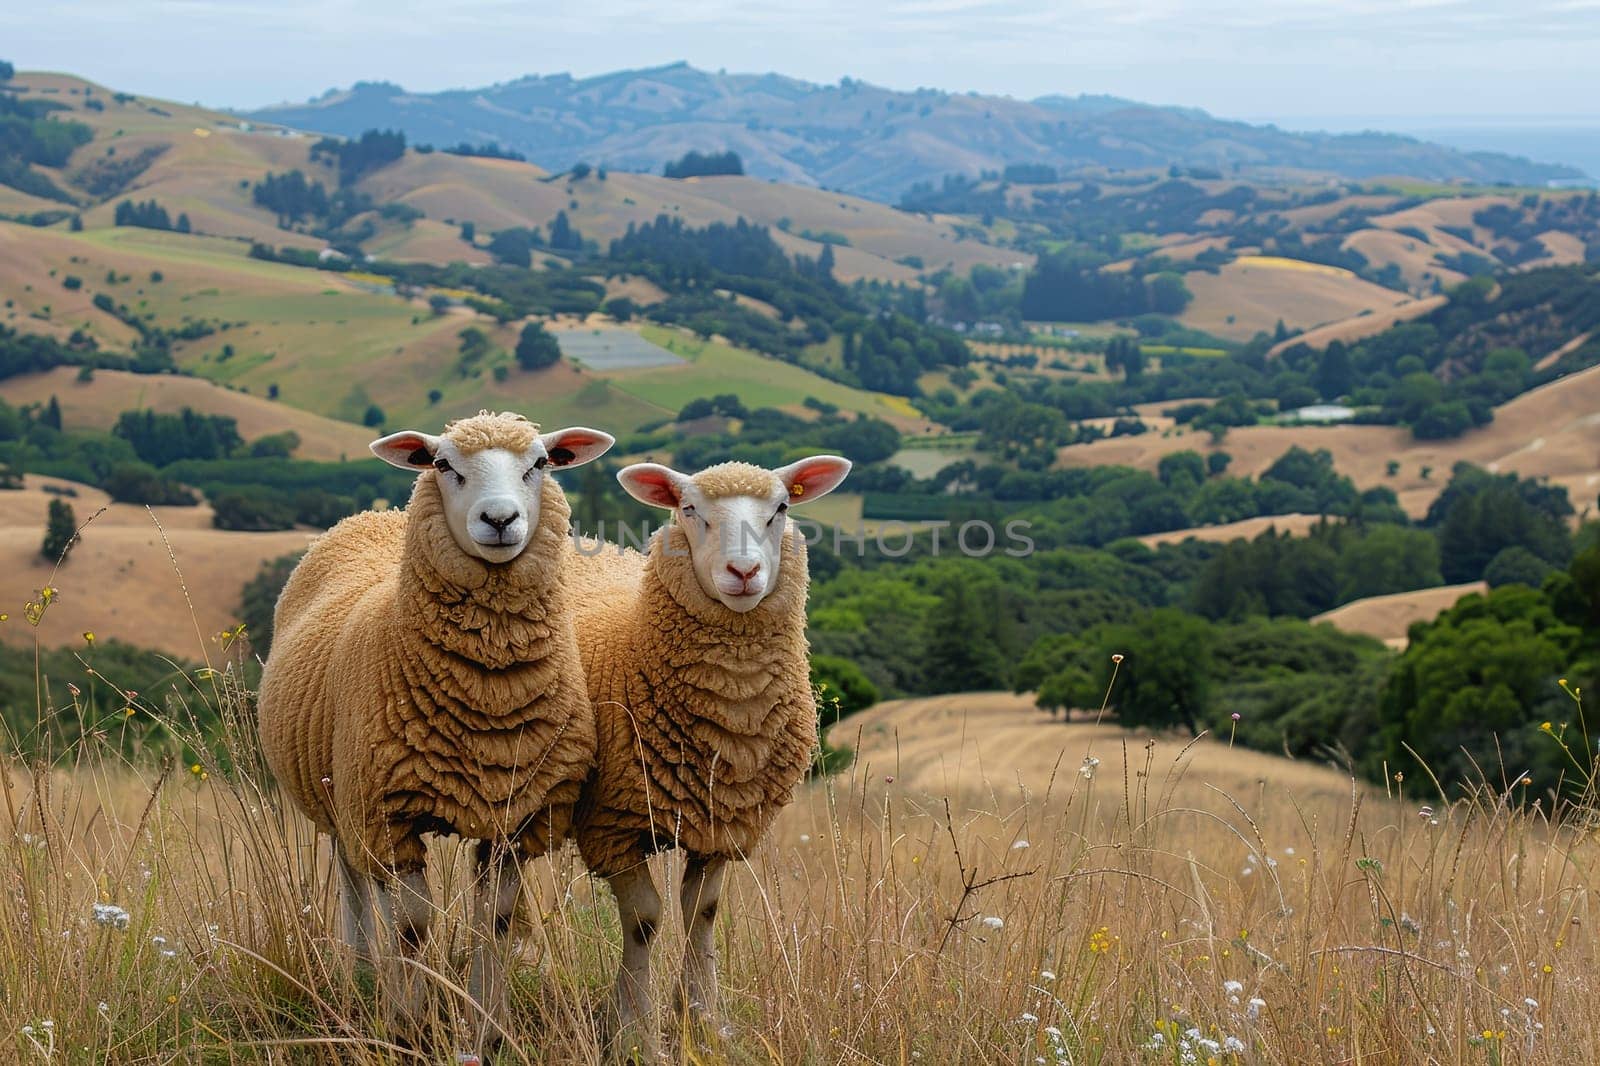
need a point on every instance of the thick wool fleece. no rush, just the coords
(706, 716)
(413, 688)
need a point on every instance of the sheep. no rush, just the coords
(424, 678)
(696, 658)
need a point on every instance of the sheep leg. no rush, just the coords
(498, 889)
(405, 906)
(639, 909)
(702, 888)
(355, 899)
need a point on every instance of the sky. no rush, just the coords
(1328, 63)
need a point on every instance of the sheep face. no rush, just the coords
(734, 516)
(492, 495)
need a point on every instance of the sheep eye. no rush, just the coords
(541, 462)
(782, 507)
(444, 467)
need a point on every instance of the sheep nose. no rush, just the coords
(745, 575)
(500, 523)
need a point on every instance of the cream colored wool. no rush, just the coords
(706, 717)
(413, 688)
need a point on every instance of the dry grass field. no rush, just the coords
(1387, 618)
(121, 581)
(1247, 528)
(96, 404)
(1253, 293)
(983, 885)
(1551, 432)
(1362, 326)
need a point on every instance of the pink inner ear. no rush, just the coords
(813, 477)
(407, 444)
(656, 486)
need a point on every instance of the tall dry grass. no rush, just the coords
(1125, 910)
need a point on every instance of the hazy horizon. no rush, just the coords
(1416, 64)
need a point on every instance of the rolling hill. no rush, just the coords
(96, 404)
(862, 138)
(120, 581)
(1387, 618)
(999, 743)
(1551, 432)
(204, 163)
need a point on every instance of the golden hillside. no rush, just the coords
(1551, 432)
(122, 580)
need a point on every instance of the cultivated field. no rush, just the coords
(983, 885)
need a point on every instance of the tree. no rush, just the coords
(60, 531)
(373, 416)
(51, 415)
(564, 236)
(842, 688)
(695, 165)
(7, 71)
(1335, 376)
(1472, 688)
(1165, 672)
(1388, 559)
(960, 656)
(260, 599)
(537, 348)
(1516, 565)
(513, 247)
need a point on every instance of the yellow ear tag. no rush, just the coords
(797, 490)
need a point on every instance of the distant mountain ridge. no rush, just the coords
(862, 138)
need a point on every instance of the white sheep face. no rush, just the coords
(735, 542)
(492, 497)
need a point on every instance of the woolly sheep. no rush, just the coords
(697, 664)
(424, 678)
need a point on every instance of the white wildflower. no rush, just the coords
(1233, 1045)
(1531, 1004)
(1090, 763)
(1254, 1008)
(112, 915)
(1021, 845)
(805, 838)
(159, 941)
(1233, 988)
(1028, 1017)
(1052, 1032)
(1047, 975)
(992, 922)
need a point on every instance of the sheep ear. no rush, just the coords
(810, 478)
(408, 449)
(575, 446)
(654, 484)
